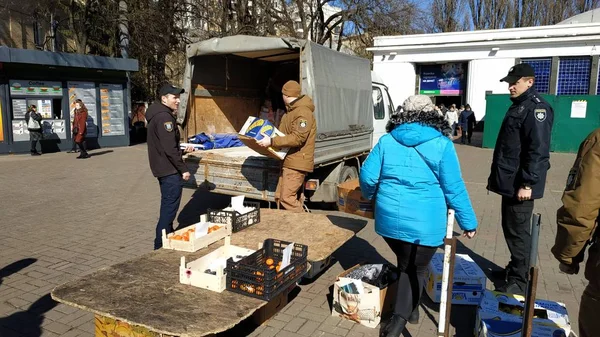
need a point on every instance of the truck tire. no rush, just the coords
(348, 173)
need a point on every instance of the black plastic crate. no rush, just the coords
(238, 221)
(251, 276)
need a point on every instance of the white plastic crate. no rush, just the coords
(196, 243)
(195, 273)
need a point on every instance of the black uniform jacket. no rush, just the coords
(522, 153)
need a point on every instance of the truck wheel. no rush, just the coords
(348, 173)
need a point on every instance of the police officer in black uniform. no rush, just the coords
(518, 172)
(165, 156)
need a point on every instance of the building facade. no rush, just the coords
(464, 67)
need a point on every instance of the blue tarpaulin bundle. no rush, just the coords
(216, 141)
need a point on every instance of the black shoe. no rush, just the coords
(512, 287)
(83, 156)
(394, 327)
(501, 274)
(414, 316)
(36, 153)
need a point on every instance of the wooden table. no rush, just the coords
(145, 293)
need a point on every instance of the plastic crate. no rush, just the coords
(252, 277)
(237, 220)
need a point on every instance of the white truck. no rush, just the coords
(228, 79)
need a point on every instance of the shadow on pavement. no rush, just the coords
(94, 154)
(353, 224)
(15, 267)
(28, 323)
(200, 202)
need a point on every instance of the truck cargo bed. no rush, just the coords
(234, 171)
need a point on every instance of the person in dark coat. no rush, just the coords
(165, 156)
(34, 126)
(519, 167)
(467, 123)
(79, 128)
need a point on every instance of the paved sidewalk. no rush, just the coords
(62, 218)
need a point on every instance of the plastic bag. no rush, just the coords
(378, 275)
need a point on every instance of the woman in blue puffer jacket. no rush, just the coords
(414, 176)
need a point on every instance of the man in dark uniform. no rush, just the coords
(519, 168)
(165, 158)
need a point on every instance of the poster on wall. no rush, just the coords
(443, 79)
(112, 109)
(1, 126)
(86, 92)
(19, 130)
(35, 88)
(44, 107)
(19, 107)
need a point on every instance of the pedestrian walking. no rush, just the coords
(413, 174)
(79, 128)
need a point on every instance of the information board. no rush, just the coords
(86, 92)
(19, 107)
(112, 109)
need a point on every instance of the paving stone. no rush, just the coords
(66, 248)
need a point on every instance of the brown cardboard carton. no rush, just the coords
(350, 199)
(366, 308)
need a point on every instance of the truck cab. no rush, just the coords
(383, 107)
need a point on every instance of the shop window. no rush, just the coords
(542, 68)
(574, 75)
(57, 108)
(598, 85)
(378, 104)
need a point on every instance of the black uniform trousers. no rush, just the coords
(516, 225)
(171, 187)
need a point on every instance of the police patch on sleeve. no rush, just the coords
(303, 123)
(540, 114)
(168, 126)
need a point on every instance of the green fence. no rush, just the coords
(568, 131)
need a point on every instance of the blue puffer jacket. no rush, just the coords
(414, 176)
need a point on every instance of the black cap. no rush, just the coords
(170, 89)
(518, 71)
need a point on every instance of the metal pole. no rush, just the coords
(530, 293)
(447, 277)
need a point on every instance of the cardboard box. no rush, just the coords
(195, 273)
(500, 314)
(350, 199)
(469, 280)
(365, 308)
(253, 130)
(272, 307)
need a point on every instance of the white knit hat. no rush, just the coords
(418, 103)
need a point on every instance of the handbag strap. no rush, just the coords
(427, 163)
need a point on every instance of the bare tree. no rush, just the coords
(491, 14)
(447, 14)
